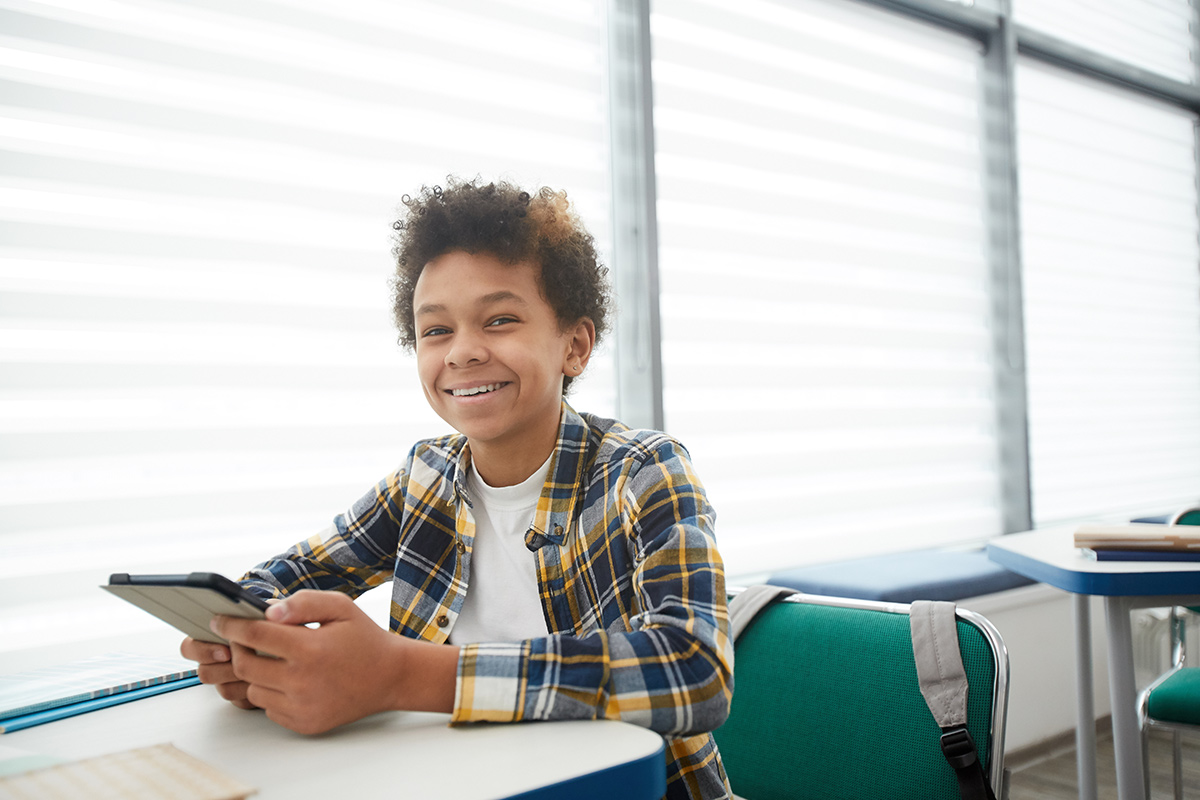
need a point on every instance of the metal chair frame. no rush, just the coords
(1177, 625)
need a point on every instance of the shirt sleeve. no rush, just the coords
(671, 670)
(355, 553)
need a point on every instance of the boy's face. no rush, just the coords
(491, 357)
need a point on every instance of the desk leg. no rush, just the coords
(1126, 739)
(1085, 716)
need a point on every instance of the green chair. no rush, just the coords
(1172, 701)
(1189, 516)
(827, 706)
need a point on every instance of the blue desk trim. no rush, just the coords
(643, 778)
(1091, 578)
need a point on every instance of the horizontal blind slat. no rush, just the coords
(1156, 35)
(197, 361)
(823, 276)
(1112, 299)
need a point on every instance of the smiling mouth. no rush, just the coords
(474, 390)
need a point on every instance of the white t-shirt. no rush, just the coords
(502, 603)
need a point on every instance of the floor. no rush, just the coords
(1053, 776)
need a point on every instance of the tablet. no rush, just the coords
(188, 602)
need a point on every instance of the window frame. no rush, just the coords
(639, 361)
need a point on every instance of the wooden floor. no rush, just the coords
(1053, 776)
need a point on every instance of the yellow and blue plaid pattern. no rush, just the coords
(632, 587)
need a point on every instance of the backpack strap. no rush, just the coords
(943, 681)
(744, 607)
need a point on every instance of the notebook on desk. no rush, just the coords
(1143, 555)
(43, 695)
(159, 772)
(1140, 542)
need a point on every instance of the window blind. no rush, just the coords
(197, 365)
(1112, 288)
(826, 344)
(1156, 35)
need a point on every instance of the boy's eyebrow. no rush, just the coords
(503, 295)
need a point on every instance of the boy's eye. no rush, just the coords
(434, 331)
(501, 321)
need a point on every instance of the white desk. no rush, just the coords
(397, 754)
(1050, 556)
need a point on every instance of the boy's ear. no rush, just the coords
(583, 339)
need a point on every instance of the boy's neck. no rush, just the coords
(507, 466)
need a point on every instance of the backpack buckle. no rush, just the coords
(959, 748)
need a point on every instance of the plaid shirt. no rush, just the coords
(632, 587)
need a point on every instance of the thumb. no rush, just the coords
(310, 605)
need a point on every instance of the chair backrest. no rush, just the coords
(826, 705)
(1188, 516)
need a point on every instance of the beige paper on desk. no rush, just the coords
(1138, 536)
(161, 772)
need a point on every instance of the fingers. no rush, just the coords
(265, 671)
(216, 674)
(241, 631)
(257, 696)
(237, 692)
(215, 667)
(204, 652)
(316, 678)
(267, 683)
(290, 614)
(309, 606)
(214, 662)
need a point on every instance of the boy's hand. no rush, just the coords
(346, 669)
(215, 666)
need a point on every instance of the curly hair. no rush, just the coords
(509, 223)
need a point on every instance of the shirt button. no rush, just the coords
(443, 621)
(558, 530)
(462, 547)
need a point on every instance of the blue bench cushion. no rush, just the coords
(905, 577)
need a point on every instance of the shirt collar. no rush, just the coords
(564, 481)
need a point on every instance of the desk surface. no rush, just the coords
(397, 754)
(1050, 556)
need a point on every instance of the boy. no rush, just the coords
(544, 564)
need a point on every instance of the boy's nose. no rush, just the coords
(466, 350)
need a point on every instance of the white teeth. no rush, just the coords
(491, 387)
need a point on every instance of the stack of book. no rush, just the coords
(1140, 542)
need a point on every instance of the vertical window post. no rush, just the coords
(635, 228)
(1004, 255)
